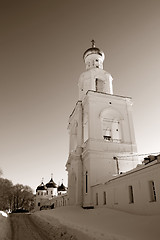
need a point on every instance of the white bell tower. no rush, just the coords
(101, 128)
(95, 78)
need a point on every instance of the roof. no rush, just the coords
(51, 184)
(93, 50)
(41, 187)
(61, 188)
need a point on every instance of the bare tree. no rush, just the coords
(15, 196)
(23, 197)
(5, 194)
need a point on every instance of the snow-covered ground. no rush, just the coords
(104, 224)
(97, 224)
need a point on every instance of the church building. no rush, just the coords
(103, 165)
(104, 169)
(49, 196)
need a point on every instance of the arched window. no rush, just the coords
(111, 125)
(107, 133)
(99, 85)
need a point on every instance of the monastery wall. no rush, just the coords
(136, 191)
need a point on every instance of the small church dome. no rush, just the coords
(51, 184)
(93, 50)
(61, 188)
(41, 187)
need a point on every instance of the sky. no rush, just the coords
(41, 49)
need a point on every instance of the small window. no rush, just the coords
(131, 197)
(104, 198)
(38, 193)
(86, 182)
(47, 192)
(39, 204)
(152, 191)
(99, 85)
(42, 193)
(96, 198)
(51, 192)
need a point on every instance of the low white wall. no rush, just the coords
(117, 191)
(58, 201)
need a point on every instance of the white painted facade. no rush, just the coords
(50, 196)
(136, 191)
(103, 166)
(100, 128)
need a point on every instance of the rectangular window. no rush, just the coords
(99, 85)
(152, 191)
(131, 197)
(96, 198)
(86, 182)
(104, 198)
(39, 204)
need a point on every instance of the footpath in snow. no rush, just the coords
(104, 223)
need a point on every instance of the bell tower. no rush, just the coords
(94, 78)
(101, 129)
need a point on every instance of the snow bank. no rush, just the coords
(105, 224)
(4, 227)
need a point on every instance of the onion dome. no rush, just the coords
(61, 188)
(41, 187)
(51, 184)
(93, 50)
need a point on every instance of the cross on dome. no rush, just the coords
(93, 43)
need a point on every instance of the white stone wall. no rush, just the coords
(98, 155)
(74, 163)
(118, 195)
(58, 201)
(88, 81)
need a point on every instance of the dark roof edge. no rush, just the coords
(109, 94)
(75, 107)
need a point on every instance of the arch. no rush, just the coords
(111, 113)
(111, 125)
